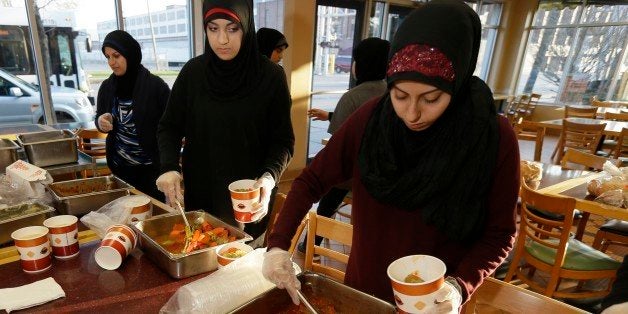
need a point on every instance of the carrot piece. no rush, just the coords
(212, 244)
(204, 239)
(197, 233)
(175, 233)
(190, 247)
(178, 227)
(232, 238)
(218, 230)
(206, 226)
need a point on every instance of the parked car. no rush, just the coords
(20, 102)
(342, 61)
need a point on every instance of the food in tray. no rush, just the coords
(202, 237)
(321, 305)
(244, 190)
(413, 277)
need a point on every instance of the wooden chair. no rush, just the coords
(612, 232)
(554, 252)
(530, 131)
(579, 136)
(576, 112)
(92, 143)
(574, 159)
(333, 230)
(496, 296)
(278, 203)
(621, 146)
(616, 116)
(601, 104)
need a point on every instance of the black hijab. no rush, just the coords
(446, 170)
(268, 39)
(371, 59)
(128, 47)
(230, 79)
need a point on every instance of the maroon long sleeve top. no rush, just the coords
(383, 233)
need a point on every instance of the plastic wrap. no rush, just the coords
(611, 188)
(224, 290)
(13, 193)
(117, 211)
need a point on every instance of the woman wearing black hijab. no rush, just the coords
(370, 59)
(435, 170)
(129, 106)
(232, 106)
(272, 43)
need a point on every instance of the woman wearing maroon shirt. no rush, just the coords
(435, 170)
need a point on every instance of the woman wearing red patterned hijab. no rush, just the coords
(434, 169)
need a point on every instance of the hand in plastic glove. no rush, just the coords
(170, 184)
(448, 298)
(267, 184)
(277, 268)
(318, 114)
(105, 122)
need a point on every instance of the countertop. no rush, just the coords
(138, 285)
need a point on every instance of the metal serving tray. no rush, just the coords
(22, 215)
(8, 153)
(78, 197)
(186, 264)
(344, 298)
(49, 147)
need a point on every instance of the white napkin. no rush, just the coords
(32, 294)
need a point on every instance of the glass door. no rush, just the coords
(338, 29)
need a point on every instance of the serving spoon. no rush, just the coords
(188, 229)
(306, 303)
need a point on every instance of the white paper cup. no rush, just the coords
(115, 247)
(416, 297)
(63, 235)
(141, 208)
(245, 199)
(34, 247)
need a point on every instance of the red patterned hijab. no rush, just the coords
(446, 170)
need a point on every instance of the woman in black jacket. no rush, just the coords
(130, 103)
(232, 106)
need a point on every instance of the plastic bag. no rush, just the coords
(615, 198)
(13, 193)
(531, 170)
(597, 187)
(224, 290)
(117, 211)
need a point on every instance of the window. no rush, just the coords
(13, 50)
(180, 28)
(490, 15)
(172, 29)
(170, 16)
(163, 30)
(180, 14)
(577, 51)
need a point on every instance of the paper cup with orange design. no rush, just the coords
(141, 207)
(415, 281)
(245, 199)
(63, 235)
(119, 241)
(34, 247)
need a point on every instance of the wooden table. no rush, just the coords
(612, 128)
(573, 183)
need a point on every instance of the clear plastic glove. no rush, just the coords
(448, 298)
(105, 122)
(318, 114)
(277, 268)
(267, 184)
(170, 184)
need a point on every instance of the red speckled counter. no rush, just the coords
(137, 286)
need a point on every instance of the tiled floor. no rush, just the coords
(527, 152)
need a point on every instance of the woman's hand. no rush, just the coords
(105, 122)
(170, 184)
(267, 184)
(277, 268)
(318, 114)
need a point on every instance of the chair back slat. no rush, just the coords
(333, 230)
(576, 112)
(580, 136)
(578, 160)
